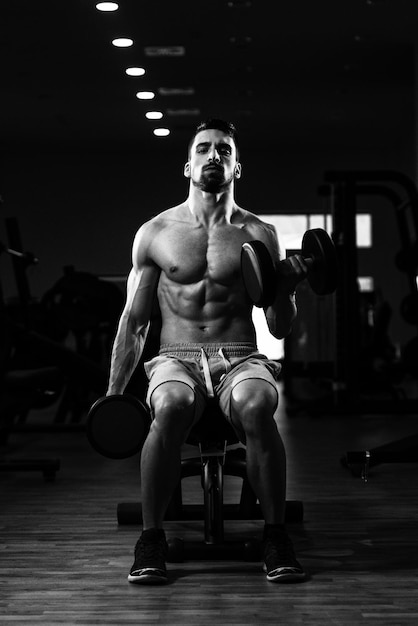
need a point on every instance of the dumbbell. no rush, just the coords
(117, 426)
(261, 278)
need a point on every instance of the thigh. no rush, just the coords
(168, 375)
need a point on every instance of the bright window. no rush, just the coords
(291, 227)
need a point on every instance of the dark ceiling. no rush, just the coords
(296, 72)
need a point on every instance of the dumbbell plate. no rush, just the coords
(323, 273)
(258, 273)
(117, 426)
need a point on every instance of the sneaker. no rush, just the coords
(150, 555)
(280, 561)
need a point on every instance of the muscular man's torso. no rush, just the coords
(200, 289)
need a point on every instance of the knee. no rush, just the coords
(254, 397)
(253, 407)
(173, 405)
(173, 398)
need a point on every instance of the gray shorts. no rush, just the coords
(212, 369)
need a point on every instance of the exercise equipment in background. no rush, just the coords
(399, 189)
(345, 187)
(39, 365)
(19, 390)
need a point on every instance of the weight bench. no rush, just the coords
(214, 436)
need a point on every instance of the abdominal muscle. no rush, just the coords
(204, 312)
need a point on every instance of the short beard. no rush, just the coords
(212, 183)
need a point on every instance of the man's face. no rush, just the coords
(212, 164)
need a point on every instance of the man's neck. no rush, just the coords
(211, 208)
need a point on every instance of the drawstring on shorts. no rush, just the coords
(206, 370)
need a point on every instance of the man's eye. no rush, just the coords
(226, 151)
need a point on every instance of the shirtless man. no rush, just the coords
(190, 254)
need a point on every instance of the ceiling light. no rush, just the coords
(135, 71)
(145, 95)
(161, 132)
(122, 42)
(107, 6)
(153, 115)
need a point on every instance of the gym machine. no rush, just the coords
(36, 367)
(78, 304)
(18, 389)
(345, 187)
(347, 379)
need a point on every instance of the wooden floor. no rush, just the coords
(64, 560)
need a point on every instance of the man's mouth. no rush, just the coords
(217, 168)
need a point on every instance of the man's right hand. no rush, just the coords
(291, 272)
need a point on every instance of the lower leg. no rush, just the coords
(161, 454)
(253, 407)
(266, 470)
(160, 473)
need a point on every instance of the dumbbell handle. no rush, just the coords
(309, 259)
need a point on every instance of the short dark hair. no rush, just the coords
(215, 122)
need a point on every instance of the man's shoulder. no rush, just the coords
(254, 222)
(165, 217)
(160, 220)
(149, 231)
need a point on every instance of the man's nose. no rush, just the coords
(214, 156)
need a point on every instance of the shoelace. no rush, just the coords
(151, 553)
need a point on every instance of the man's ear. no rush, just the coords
(237, 170)
(186, 170)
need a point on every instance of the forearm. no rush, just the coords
(126, 353)
(281, 314)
